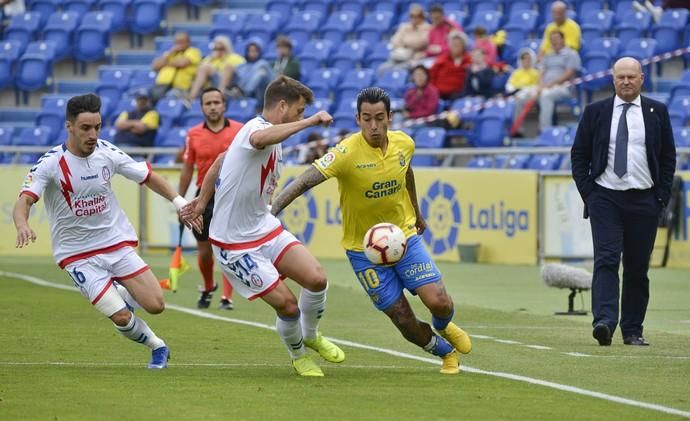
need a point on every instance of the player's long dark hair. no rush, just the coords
(373, 95)
(88, 103)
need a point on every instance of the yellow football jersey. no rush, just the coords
(372, 185)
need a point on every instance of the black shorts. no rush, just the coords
(208, 214)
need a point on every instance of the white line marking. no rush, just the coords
(219, 365)
(538, 347)
(481, 337)
(576, 354)
(507, 341)
(435, 361)
(685, 321)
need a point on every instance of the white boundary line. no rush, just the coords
(509, 376)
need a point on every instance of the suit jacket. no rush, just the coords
(590, 151)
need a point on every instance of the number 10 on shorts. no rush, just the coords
(369, 279)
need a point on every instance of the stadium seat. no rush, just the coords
(501, 109)
(348, 56)
(33, 136)
(338, 25)
(430, 137)
(681, 136)
(490, 131)
(682, 86)
(345, 110)
(6, 70)
(241, 110)
(169, 109)
(611, 46)
(480, 162)
(229, 23)
(60, 29)
(119, 10)
(553, 136)
(467, 108)
(379, 54)
(319, 104)
(53, 119)
(192, 116)
(322, 6)
(147, 16)
(356, 6)
(680, 106)
(595, 62)
(44, 8)
(302, 25)
(264, 26)
(521, 5)
(586, 7)
(488, 19)
(393, 81)
(282, 7)
(80, 7)
(12, 48)
(374, 26)
(640, 48)
(455, 15)
(424, 161)
(42, 48)
(544, 162)
(23, 28)
(353, 82)
(633, 25)
(33, 72)
(5, 136)
(522, 19)
(517, 162)
(596, 24)
(174, 138)
(92, 37)
(323, 81)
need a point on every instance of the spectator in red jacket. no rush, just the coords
(422, 99)
(450, 69)
(440, 28)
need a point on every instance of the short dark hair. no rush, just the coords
(373, 95)
(422, 68)
(559, 33)
(210, 89)
(436, 8)
(89, 103)
(287, 89)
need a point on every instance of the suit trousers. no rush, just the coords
(622, 222)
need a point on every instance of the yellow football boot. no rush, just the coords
(457, 337)
(451, 363)
(327, 349)
(304, 366)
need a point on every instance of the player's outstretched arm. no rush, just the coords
(412, 192)
(308, 179)
(196, 207)
(279, 132)
(161, 186)
(20, 214)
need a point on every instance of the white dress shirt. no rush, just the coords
(638, 175)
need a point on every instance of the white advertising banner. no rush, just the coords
(565, 233)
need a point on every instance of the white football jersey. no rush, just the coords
(84, 215)
(245, 185)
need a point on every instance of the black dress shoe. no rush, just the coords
(602, 333)
(635, 340)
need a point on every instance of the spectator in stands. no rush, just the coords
(450, 68)
(657, 11)
(12, 7)
(176, 68)
(212, 66)
(480, 77)
(482, 41)
(523, 84)
(558, 67)
(563, 24)
(422, 99)
(286, 63)
(441, 27)
(251, 78)
(410, 40)
(138, 126)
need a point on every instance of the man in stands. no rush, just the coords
(138, 126)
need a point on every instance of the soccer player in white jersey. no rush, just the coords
(91, 237)
(253, 249)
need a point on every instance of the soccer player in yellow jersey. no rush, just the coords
(376, 184)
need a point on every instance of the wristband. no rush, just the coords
(179, 202)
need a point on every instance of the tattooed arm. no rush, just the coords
(308, 179)
(412, 191)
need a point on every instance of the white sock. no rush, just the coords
(312, 305)
(138, 331)
(291, 333)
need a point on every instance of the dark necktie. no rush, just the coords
(620, 162)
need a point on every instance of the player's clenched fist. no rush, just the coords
(322, 118)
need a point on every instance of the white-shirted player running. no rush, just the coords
(253, 249)
(91, 237)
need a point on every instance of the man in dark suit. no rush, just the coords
(623, 160)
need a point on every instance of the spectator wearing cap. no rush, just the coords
(213, 65)
(138, 126)
(286, 63)
(441, 27)
(176, 68)
(251, 78)
(449, 71)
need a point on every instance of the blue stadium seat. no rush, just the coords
(681, 135)
(169, 109)
(489, 19)
(680, 107)
(147, 16)
(467, 108)
(354, 81)
(348, 56)
(516, 162)
(54, 103)
(393, 81)
(319, 104)
(323, 81)
(611, 46)
(302, 25)
(23, 28)
(430, 137)
(264, 26)
(355, 6)
(669, 31)
(174, 138)
(282, 7)
(80, 7)
(490, 131)
(554, 136)
(44, 8)
(595, 24)
(544, 162)
(92, 37)
(322, 6)
(501, 109)
(639, 48)
(346, 109)
(633, 25)
(338, 25)
(522, 19)
(386, 6)
(682, 86)
(5, 136)
(113, 83)
(142, 78)
(479, 162)
(60, 29)
(241, 110)
(522, 5)
(119, 10)
(126, 103)
(313, 54)
(675, 18)
(192, 116)
(595, 62)
(33, 72)
(12, 48)
(42, 48)
(585, 7)
(455, 15)
(33, 136)
(52, 118)
(374, 26)
(424, 161)
(378, 55)
(227, 22)
(6, 70)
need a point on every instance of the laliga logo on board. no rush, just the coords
(300, 217)
(441, 210)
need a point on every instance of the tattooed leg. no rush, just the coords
(403, 317)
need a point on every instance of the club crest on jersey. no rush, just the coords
(256, 280)
(327, 160)
(105, 173)
(401, 158)
(340, 148)
(28, 181)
